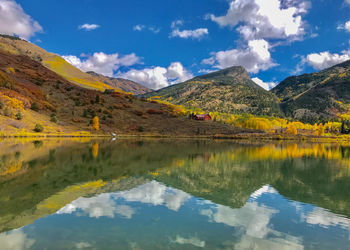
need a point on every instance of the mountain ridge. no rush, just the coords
(120, 83)
(316, 96)
(229, 90)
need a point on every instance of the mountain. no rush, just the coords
(320, 95)
(32, 92)
(123, 84)
(230, 91)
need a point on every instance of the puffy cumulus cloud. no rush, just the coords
(88, 27)
(345, 26)
(15, 240)
(276, 19)
(14, 21)
(158, 77)
(102, 63)
(347, 1)
(194, 34)
(264, 85)
(326, 59)
(254, 58)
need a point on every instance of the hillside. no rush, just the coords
(32, 94)
(52, 61)
(230, 91)
(123, 84)
(320, 95)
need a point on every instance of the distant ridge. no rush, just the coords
(123, 84)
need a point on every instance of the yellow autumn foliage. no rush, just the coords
(96, 123)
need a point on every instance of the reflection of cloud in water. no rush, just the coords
(324, 218)
(253, 220)
(287, 243)
(15, 240)
(105, 205)
(82, 245)
(102, 205)
(156, 193)
(252, 217)
(192, 241)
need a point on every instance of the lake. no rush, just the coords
(173, 194)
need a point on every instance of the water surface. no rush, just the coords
(173, 194)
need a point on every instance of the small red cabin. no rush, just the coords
(205, 117)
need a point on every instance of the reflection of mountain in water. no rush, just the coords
(259, 224)
(43, 181)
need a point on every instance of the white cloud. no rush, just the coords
(15, 240)
(206, 71)
(14, 21)
(177, 23)
(103, 63)
(345, 26)
(88, 27)
(141, 27)
(325, 59)
(185, 34)
(254, 58)
(194, 34)
(265, 85)
(347, 1)
(158, 77)
(274, 19)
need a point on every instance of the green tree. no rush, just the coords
(34, 106)
(19, 115)
(38, 128)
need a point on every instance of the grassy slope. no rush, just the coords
(229, 91)
(53, 62)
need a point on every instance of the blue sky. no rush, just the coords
(163, 42)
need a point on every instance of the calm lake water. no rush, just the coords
(173, 194)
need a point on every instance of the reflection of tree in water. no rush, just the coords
(223, 172)
(94, 150)
(314, 174)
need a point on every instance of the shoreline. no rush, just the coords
(245, 136)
